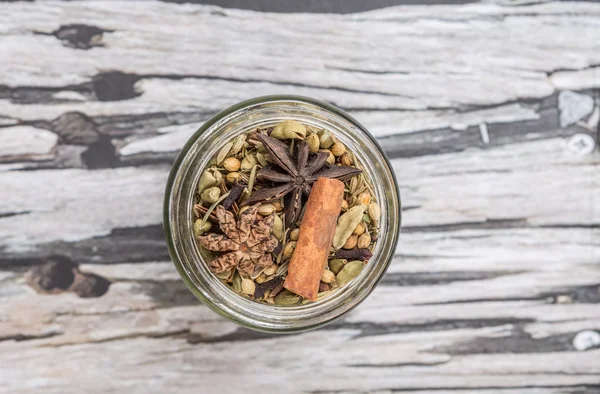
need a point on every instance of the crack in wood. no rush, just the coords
(169, 334)
(568, 69)
(24, 337)
(365, 71)
(109, 312)
(489, 224)
(588, 294)
(424, 256)
(440, 278)
(571, 226)
(11, 214)
(368, 329)
(581, 389)
(240, 334)
(398, 365)
(482, 300)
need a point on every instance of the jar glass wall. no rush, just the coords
(190, 260)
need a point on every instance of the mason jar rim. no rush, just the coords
(221, 307)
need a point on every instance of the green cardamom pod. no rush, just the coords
(326, 139)
(211, 195)
(248, 162)
(278, 228)
(354, 184)
(313, 143)
(237, 282)
(207, 179)
(287, 298)
(224, 274)
(336, 265)
(200, 228)
(289, 129)
(346, 225)
(350, 271)
(374, 212)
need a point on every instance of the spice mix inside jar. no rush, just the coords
(282, 213)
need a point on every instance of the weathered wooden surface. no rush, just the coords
(487, 112)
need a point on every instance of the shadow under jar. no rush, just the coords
(192, 262)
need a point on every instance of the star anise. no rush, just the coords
(299, 173)
(247, 243)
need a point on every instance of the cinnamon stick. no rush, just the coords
(314, 241)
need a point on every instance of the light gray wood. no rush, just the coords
(497, 270)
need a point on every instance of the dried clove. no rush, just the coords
(262, 288)
(354, 254)
(234, 194)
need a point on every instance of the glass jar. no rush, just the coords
(179, 217)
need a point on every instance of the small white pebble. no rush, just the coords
(585, 340)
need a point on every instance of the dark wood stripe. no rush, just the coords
(373, 329)
(588, 294)
(314, 6)
(122, 245)
(439, 278)
(518, 342)
(573, 389)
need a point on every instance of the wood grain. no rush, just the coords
(498, 266)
